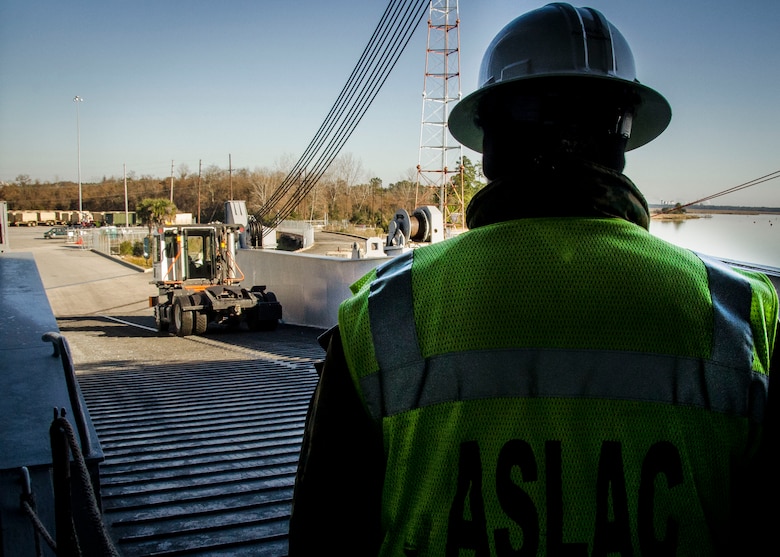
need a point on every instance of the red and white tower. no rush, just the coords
(439, 171)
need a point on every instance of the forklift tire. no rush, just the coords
(201, 322)
(182, 320)
(162, 326)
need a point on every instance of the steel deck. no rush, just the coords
(200, 458)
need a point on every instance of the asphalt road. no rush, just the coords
(102, 308)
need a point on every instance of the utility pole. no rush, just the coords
(230, 174)
(171, 180)
(127, 213)
(78, 100)
(200, 171)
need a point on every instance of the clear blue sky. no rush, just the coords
(190, 80)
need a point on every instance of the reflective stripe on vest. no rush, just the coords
(723, 383)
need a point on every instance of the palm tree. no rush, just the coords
(153, 211)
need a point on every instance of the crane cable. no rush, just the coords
(744, 185)
(380, 56)
(348, 93)
(306, 180)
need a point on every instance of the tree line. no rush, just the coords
(343, 194)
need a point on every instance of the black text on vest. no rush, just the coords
(612, 516)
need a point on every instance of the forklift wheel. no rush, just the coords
(182, 320)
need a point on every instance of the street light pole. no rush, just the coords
(78, 100)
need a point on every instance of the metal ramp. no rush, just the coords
(200, 458)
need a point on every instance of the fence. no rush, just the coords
(106, 240)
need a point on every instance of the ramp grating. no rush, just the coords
(200, 457)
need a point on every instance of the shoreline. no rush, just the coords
(699, 213)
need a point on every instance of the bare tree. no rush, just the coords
(263, 182)
(347, 171)
(183, 170)
(284, 163)
(407, 188)
(214, 188)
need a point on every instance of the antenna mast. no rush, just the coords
(439, 170)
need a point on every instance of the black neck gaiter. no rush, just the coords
(560, 189)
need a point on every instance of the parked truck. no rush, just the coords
(47, 218)
(199, 281)
(80, 218)
(24, 218)
(120, 218)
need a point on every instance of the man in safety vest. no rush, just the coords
(556, 381)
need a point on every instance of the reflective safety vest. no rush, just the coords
(560, 385)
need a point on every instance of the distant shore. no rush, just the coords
(698, 212)
(677, 216)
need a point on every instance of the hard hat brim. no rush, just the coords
(651, 118)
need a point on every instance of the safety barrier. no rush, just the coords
(106, 240)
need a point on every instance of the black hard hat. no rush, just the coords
(576, 46)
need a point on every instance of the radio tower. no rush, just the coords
(439, 170)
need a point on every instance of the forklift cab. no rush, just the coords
(184, 253)
(200, 254)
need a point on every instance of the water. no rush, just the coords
(746, 238)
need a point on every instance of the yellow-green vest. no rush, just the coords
(560, 386)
